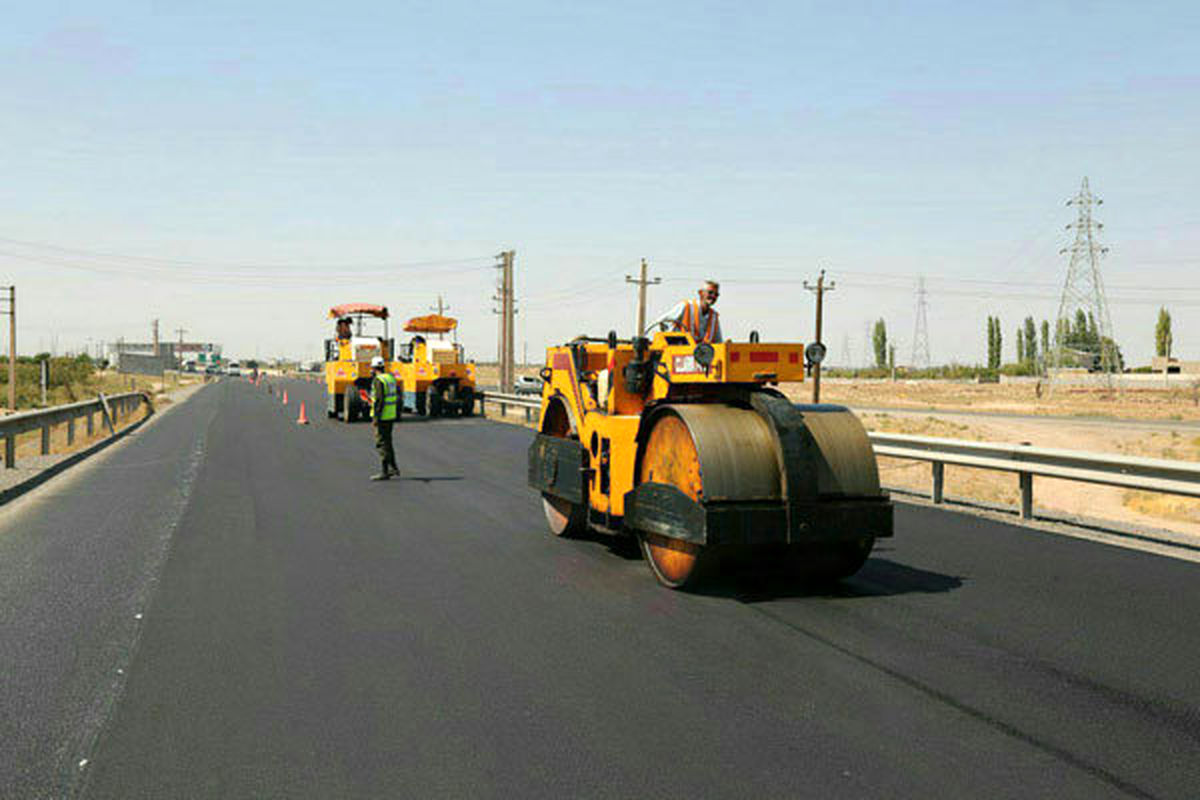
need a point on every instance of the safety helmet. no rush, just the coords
(377, 362)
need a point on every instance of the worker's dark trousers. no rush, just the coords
(383, 443)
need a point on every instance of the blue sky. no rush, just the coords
(297, 155)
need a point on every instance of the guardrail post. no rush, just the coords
(527, 417)
(70, 431)
(10, 451)
(939, 480)
(503, 409)
(1026, 495)
(91, 423)
(46, 439)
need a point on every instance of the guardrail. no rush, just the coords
(112, 409)
(1129, 472)
(528, 402)
(1109, 469)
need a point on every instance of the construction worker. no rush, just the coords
(343, 328)
(697, 317)
(385, 407)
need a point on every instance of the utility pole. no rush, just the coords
(154, 328)
(441, 309)
(819, 289)
(12, 346)
(507, 310)
(642, 283)
(179, 355)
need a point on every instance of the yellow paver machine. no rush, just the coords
(435, 379)
(691, 449)
(348, 359)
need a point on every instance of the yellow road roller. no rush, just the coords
(435, 379)
(348, 356)
(693, 450)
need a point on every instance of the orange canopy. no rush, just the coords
(431, 323)
(346, 309)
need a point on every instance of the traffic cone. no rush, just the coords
(303, 420)
(285, 397)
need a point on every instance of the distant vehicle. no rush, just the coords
(234, 369)
(189, 366)
(212, 369)
(528, 384)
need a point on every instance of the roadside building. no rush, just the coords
(1175, 366)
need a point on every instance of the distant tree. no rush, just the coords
(991, 340)
(1020, 359)
(1029, 355)
(1162, 334)
(999, 357)
(1046, 341)
(879, 340)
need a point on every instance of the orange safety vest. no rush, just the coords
(691, 322)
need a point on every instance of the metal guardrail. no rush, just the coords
(528, 402)
(112, 409)
(1109, 469)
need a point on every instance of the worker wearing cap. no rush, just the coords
(385, 409)
(697, 317)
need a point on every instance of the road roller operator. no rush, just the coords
(697, 317)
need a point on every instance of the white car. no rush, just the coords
(528, 384)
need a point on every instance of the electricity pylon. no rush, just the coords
(920, 351)
(1084, 288)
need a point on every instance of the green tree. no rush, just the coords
(1162, 334)
(1029, 355)
(879, 340)
(991, 341)
(1046, 341)
(999, 356)
(1020, 359)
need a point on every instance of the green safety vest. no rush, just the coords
(390, 397)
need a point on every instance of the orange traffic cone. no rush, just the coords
(303, 420)
(285, 397)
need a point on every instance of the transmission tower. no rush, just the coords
(920, 351)
(845, 362)
(1084, 288)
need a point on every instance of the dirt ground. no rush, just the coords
(1019, 398)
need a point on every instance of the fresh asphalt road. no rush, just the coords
(225, 607)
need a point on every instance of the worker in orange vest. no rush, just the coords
(697, 317)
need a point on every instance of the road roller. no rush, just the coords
(693, 450)
(435, 378)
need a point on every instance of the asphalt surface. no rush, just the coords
(307, 633)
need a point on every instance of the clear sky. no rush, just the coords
(237, 168)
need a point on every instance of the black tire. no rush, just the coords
(435, 401)
(419, 402)
(350, 404)
(467, 407)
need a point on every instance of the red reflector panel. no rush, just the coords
(562, 361)
(793, 358)
(763, 357)
(735, 356)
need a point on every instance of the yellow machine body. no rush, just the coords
(691, 449)
(435, 379)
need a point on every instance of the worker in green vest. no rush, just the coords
(385, 409)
